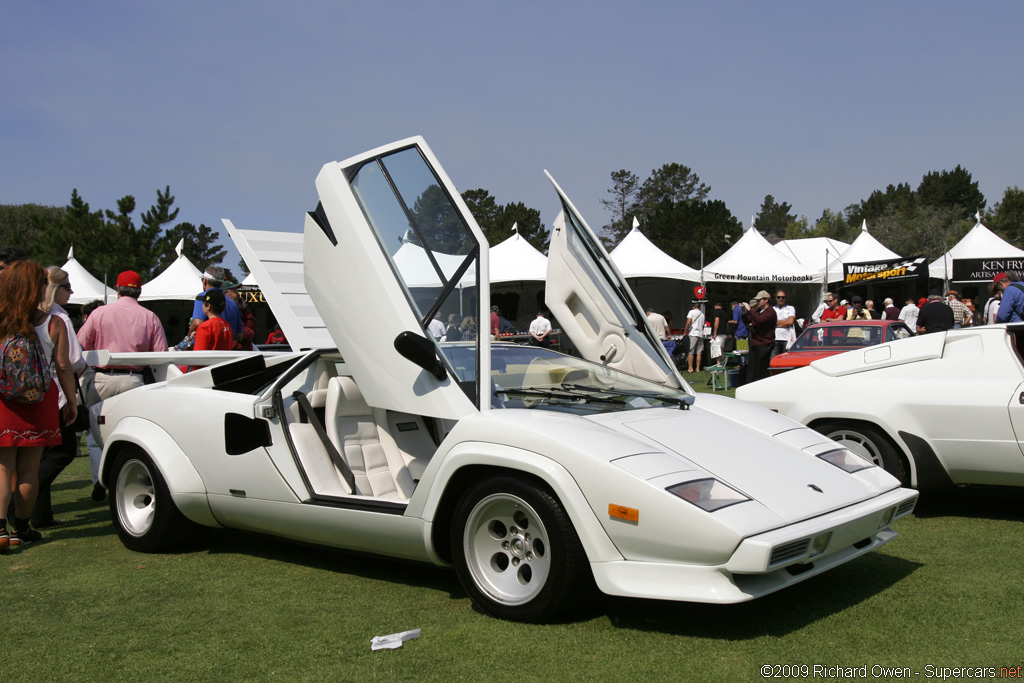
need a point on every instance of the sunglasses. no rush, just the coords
(67, 287)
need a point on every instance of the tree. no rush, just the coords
(673, 182)
(437, 220)
(146, 239)
(692, 231)
(929, 230)
(1007, 218)
(21, 224)
(483, 207)
(625, 186)
(529, 225)
(77, 226)
(896, 198)
(496, 221)
(833, 225)
(773, 219)
(953, 189)
(201, 246)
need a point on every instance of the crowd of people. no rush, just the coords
(46, 387)
(765, 328)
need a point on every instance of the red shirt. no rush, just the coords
(214, 334)
(838, 314)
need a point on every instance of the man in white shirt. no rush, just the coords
(785, 316)
(695, 328)
(540, 330)
(659, 324)
(908, 313)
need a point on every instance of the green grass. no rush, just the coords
(79, 606)
(701, 382)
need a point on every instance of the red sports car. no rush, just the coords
(828, 339)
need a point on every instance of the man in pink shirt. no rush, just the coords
(122, 327)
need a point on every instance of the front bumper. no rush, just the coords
(764, 563)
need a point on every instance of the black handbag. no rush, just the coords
(81, 423)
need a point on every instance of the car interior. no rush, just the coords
(346, 448)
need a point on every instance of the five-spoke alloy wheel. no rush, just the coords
(516, 551)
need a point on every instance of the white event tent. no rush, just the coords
(516, 260)
(646, 269)
(86, 287)
(636, 256)
(181, 281)
(864, 249)
(980, 243)
(817, 253)
(753, 259)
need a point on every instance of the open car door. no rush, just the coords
(595, 307)
(390, 249)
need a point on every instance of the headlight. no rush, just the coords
(708, 494)
(847, 460)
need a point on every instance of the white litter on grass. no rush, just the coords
(393, 641)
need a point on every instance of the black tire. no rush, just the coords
(144, 515)
(869, 442)
(516, 552)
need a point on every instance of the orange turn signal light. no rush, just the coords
(623, 512)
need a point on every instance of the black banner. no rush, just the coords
(983, 269)
(885, 271)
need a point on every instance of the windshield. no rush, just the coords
(533, 377)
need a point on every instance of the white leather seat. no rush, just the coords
(379, 468)
(324, 477)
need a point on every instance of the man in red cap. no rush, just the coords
(1011, 308)
(122, 327)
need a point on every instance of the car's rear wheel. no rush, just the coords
(516, 551)
(145, 517)
(867, 442)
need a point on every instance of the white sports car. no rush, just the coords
(938, 410)
(536, 474)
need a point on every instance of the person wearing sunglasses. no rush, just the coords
(785, 317)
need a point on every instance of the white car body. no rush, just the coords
(552, 472)
(937, 410)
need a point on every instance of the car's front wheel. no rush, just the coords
(869, 443)
(516, 551)
(145, 517)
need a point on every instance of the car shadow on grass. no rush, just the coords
(364, 565)
(984, 503)
(778, 614)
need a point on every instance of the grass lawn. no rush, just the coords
(79, 606)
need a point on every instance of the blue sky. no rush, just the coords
(236, 106)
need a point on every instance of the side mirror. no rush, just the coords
(422, 352)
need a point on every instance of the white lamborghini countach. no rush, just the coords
(539, 476)
(941, 411)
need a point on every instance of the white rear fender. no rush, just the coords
(474, 453)
(183, 481)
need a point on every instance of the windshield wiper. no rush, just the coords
(569, 393)
(683, 402)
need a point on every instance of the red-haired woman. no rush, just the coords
(25, 428)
